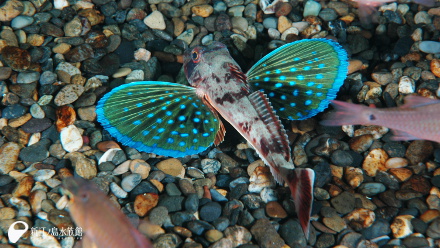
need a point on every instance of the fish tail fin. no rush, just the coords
(346, 114)
(300, 182)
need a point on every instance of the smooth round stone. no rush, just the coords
(406, 85)
(172, 189)
(268, 195)
(344, 203)
(430, 47)
(8, 157)
(311, 8)
(117, 191)
(35, 153)
(36, 111)
(210, 165)
(13, 111)
(220, 6)
(216, 196)
(158, 215)
(47, 77)
(328, 14)
(239, 23)
(371, 189)
(192, 203)
(71, 138)
(341, 158)
(171, 167)
(42, 175)
(210, 211)
(155, 20)
(131, 181)
(68, 94)
(270, 22)
(20, 22)
(422, 17)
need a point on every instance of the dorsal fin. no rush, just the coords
(264, 109)
(413, 101)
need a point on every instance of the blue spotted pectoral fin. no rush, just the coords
(301, 78)
(159, 117)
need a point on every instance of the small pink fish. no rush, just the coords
(368, 7)
(104, 225)
(418, 118)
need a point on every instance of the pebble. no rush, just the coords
(371, 189)
(406, 85)
(41, 238)
(71, 138)
(275, 210)
(311, 8)
(144, 203)
(129, 182)
(335, 223)
(172, 167)
(360, 218)
(344, 203)
(239, 235)
(261, 178)
(375, 161)
(429, 47)
(203, 10)
(118, 191)
(155, 20)
(210, 211)
(210, 165)
(266, 234)
(401, 226)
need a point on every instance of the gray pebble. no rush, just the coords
(131, 181)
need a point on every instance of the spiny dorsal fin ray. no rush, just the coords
(301, 78)
(262, 105)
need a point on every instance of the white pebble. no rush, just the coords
(34, 138)
(62, 202)
(274, 34)
(122, 168)
(268, 195)
(289, 31)
(43, 174)
(108, 155)
(71, 138)
(60, 4)
(406, 85)
(136, 75)
(142, 54)
(311, 8)
(41, 238)
(118, 191)
(155, 20)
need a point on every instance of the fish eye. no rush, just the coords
(195, 55)
(84, 197)
(372, 117)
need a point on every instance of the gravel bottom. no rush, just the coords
(58, 58)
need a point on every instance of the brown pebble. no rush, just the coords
(435, 67)
(144, 203)
(20, 121)
(94, 16)
(354, 65)
(354, 176)
(419, 151)
(64, 173)
(411, 57)
(106, 145)
(417, 183)
(275, 210)
(66, 116)
(24, 187)
(402, 174)
(283, 9)
(10, 9)
(182, 231)
(430, 215)
(18, 59)
(361, 143)
(320, 227)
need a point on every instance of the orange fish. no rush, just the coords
(104, 225)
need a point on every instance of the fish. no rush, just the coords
(368, 7)
(103, 224)
(417, 119)
(295, 81)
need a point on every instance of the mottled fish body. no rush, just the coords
(103, 225)
(418, 118)
(295, 81)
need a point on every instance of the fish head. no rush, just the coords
(201, 62)
(80, 194)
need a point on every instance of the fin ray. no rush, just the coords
(158, 117)
(301, 78)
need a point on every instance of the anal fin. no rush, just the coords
(301, 186)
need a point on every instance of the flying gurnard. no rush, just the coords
(295, 81)
(104, 225)
(418, 118)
